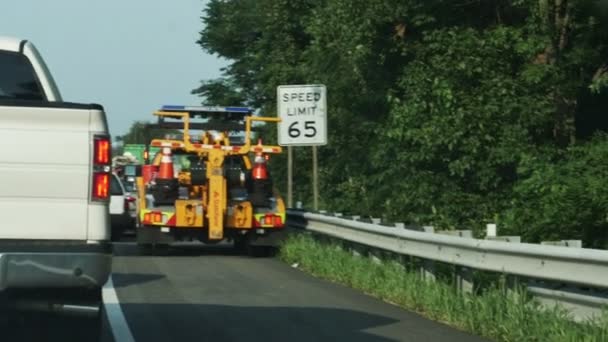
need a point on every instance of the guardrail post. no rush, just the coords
(491, 230)
(463, 275)
(428, 229)
(509, 283)
(464, 279)
(581, 304)
(358, 250)
(375, 256)
(427, 270)
(426, 267)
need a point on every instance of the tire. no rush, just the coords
(258, 251)
(116, 234)
(144, 249)
(153, 250)
(98, 324)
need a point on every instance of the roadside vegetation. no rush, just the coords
(445, 113)
(494, 312)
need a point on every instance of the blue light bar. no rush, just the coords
(206, 109)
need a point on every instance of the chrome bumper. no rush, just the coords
(69, 266)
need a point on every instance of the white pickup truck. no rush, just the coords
(54, 186)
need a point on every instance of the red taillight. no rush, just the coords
(128, 201)
(268, 220)
(101, 185)
(147, 218)
(101, 151)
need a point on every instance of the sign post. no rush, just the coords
(303, 113)
(290, 176)
(315, 179)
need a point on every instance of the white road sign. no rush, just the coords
(303, 113)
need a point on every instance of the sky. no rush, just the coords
(131, 56)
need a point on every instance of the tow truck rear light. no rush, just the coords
(269, 220)
(153, 217)
(101, 186)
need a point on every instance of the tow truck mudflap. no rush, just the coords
(153, 235)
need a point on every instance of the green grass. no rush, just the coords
(495, 313)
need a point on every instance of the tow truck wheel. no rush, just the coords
(243, 244)
(259, 251)
(144, 248)
(153, 249)
(240, 244)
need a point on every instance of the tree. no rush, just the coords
(437, 109)
(141, 132)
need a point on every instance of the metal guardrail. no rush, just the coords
(549, 263)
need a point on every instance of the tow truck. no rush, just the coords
(210, 184)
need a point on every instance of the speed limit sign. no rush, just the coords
(303, 113)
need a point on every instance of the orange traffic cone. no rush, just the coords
(165, 171)
(259, 168)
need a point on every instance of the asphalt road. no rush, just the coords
(212, 294)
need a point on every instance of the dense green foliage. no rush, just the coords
(494, 313)
(141, 132)
(452, 113)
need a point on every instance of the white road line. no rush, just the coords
(116, 318)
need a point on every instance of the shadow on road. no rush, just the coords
(199, 322)
(52, 327)
(128, 279)
(130, 249)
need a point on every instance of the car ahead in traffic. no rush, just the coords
(55, 179)
(122, 208)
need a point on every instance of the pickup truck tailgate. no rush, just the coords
(44, 172)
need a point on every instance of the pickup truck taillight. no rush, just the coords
(101, 168)
(102, 151)
(129, 203)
